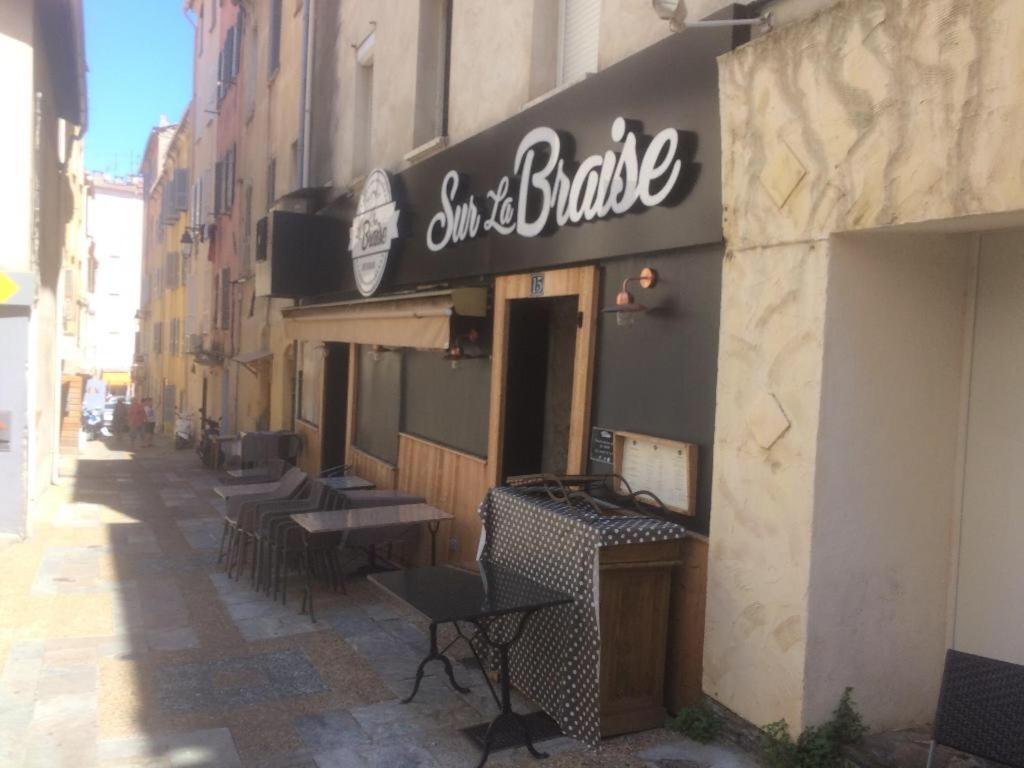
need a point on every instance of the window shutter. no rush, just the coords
(181, 189)
(580, 32)
(218, 187)
(236, 63)
(225, 298)
(274, 44)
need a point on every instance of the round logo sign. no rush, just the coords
(374, 229)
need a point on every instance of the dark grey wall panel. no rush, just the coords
(378, 404)
(447, 406)
(658, 376)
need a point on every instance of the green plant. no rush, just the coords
(819, 746)
(699, 723)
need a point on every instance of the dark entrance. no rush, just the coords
(335, 408)
(538, 385)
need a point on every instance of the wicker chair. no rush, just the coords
(981, 709)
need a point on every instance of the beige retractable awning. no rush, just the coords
(421, 320)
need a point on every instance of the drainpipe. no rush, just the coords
(306, 92)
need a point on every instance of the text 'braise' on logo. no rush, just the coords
(374, 229)
(548, 192)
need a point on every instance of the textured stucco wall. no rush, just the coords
(885, 493)
(869, 114)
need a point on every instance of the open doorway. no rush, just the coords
(335, 405)
(541, 373)
(538, 384)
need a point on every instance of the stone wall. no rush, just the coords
(869, 115)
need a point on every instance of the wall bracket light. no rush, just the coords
(626, 309)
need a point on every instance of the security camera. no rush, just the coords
(675, 12)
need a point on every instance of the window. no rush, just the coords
(173, 339)
(363, 109)
(271, 180)
(224, 182)
(246, 227)
(308, 379)
(274, 41)
(432, 71)
(213, 13)
(158, 334)
(296, 162)
(579, 31)
(199, 30)
(216, 298)
(225, 298)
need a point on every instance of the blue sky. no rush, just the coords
(139, 54)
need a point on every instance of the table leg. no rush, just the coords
(308, 594)
(507, 713)
(434, 654)
(432, 526)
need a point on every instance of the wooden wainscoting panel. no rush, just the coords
(368, 467)
(450, 480)
(683, 666)
(309, 459)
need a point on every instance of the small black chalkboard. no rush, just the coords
(601, 445)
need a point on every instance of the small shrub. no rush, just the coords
(699, 723)
(819, 746)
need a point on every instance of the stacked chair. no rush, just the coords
(259, 531)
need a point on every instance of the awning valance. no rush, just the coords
(421, 320)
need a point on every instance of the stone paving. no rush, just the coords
(123, 643)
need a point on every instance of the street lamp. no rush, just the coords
(186, 243)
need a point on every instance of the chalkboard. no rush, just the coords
(601, 444)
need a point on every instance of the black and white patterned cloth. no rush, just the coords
(557, 661)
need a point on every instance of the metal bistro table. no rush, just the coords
(450, 595)
(364, 520)
(347, 483)
(227, 491)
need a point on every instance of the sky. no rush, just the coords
(139, 54)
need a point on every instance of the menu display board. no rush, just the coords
(666, 468)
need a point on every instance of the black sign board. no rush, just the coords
(672, 84)
(601, 441)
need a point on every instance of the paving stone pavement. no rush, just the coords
(123, 643)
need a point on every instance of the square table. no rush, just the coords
(450, 595)
(227, 491)
(347, 483)
(348, 521)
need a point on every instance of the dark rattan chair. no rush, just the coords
(981, 709)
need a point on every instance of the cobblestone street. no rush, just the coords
(123, 643)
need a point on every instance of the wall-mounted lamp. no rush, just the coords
(625, 309)
(189, 238)
(465, 347)
(375, 351)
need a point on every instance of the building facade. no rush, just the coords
(114, 226)
(831, 326)
(162, 367)
(42, 51)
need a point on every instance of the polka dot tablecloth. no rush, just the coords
(558, 659)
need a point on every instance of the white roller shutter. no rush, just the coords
(578, 40)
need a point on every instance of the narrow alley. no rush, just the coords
(123, 643)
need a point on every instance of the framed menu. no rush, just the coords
(666, 468)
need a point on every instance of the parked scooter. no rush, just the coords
(92, 419)
(207, 448)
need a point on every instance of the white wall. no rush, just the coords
(989, 619)
(885, 481)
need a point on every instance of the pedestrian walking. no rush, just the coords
(150, 426)
(119, 421)
(136, 421)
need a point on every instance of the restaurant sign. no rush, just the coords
(374, 230)
(547, 190)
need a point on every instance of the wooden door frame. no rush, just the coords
(574, 281)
